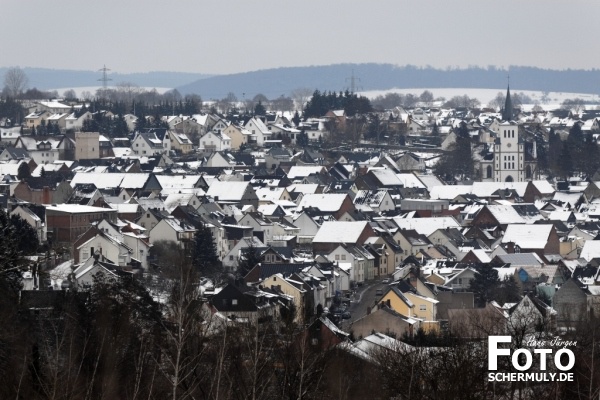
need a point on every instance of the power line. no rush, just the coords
(353, 80)
(104, 78)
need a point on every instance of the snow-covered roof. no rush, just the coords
(176, 199)
(227, 190)
(125, 208)
(178, 181)
(430, 180)
(449, 192)
(528, 236)
(387, 177)
(77, 208)
(506, 214)
(269, 193)
(302, 171)
(340, 232)
(111, 180)
(327, 202)
(590, 250)
(305, 188)
(410, 181)
(426, 226)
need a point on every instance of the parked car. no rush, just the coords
(379, 292)
(386, 280)
(346, 315)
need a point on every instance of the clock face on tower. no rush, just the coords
(508, 145)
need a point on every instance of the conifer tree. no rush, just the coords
(205, 257)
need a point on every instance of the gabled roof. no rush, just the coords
(340, 232)
(426, 226)
(227, 190)
(326, 202)
(529, 236)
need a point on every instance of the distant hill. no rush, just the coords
(281, 81)
(369, 77)
(45, 78)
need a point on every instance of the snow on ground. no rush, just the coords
(93, 89)
(487, 95)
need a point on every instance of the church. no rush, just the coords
(512, 160)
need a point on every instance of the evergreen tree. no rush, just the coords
(119, 128)
(205, 257)
(296, 118)
(23, 172)
(302, 139)
(259, 109)
(17, 240)
(140, 123)
(576, 143)
(484, 284)
(565, 162)
(554, 149)
(458, 161)
(249, 259)
(590, 157)
(435, 131)
(507, 291)
(542, 152)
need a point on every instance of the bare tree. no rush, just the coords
(70, 94)
(86, 95)
(300, 96)
(128, 90)
(15, 81)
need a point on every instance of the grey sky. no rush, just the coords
(226, 36)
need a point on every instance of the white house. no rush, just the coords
(258, 131)
(171, 229)
(215, 142)
(147, 144)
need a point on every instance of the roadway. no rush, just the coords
(363, 299)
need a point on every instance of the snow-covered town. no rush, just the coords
(368, 238)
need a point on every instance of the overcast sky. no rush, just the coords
(227, 36)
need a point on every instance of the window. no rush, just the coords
(234, 302)
(230, 258)
(423, 307)
(337, 257)
(343, 256)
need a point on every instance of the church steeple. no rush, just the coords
(507, 112)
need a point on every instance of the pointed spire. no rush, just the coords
(507, 112)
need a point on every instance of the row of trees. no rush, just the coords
(351, 103)
(410, 100)
(577, 155)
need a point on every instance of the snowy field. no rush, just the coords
(487, 95)
(92, 89)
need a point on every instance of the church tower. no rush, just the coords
(507, 112)
(509, 154)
